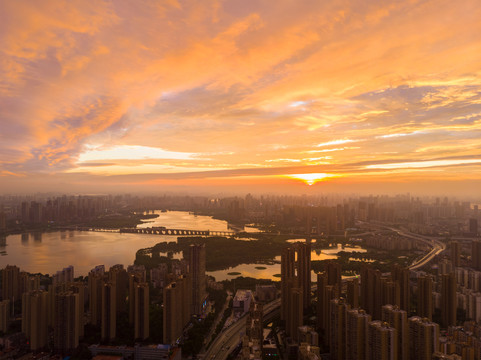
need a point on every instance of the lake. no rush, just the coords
(51, 251)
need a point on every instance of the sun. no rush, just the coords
(311, 179)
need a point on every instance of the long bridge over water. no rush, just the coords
(165, 231)
(155, 231)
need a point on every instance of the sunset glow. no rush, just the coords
(113, 93)
(311, 179)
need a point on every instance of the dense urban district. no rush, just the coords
(414, 292)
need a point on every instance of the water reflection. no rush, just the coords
(25, 237)
(3, 245)
(37, 237)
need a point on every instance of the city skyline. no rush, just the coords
(349, 97)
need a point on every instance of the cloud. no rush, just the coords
(161, 82)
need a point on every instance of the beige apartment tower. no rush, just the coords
(34, 318)
(423, 338)
(356, 334)
(141, 318)
(197, 275)
(109, 311)
(425, 297)
(66, 328)
(11, 283)
(381, 341)
(288, 258)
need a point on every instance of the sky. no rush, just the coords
(252, 95)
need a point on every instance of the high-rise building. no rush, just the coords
(28, 282)
(135, 278)
(197, 275)
(3, 222)
(10, 283)
(333, 271)
(423, 338)
(476, 254)
(473, 227)
(398, 319)
(338, 319)
(79, 289)
(356, 334)
(66, 328)
(448, 300)
(118, 276)
(142, 301)
(381, 341)
(455, 253)
(34, 318)
(352, 297)
(95, 283)
(288, 258)
(4, 315)
(63, 276)
(425, 297)
(109, 311)
(176, 309)
(401, 276)
(371, 299)
(295, 312)
(304, 271)
(390, 292)
(325, 293)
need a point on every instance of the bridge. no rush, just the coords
(165, 231)
(84, 228)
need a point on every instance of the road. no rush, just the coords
(230, 338)
(437, 246)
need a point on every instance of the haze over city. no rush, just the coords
(344, 96)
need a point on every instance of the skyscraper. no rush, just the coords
(455, 253)
(398, 319)
(109, 311)
(197, 275)
(118, 275)
(136, 275)
(401, 276)
(473, 227)
(288, 257)
(338, 320)
(425, 297)
(333, 271)
(295, 313)
(423, 338)
(141, 323)
(10, 283)
(4, 315)
(371, 298)
(175, 309)
(66, 328)
(304, 271)
(325, 293)
(353, 293)
(390, 292)
(95, 283)
(476, 254)
(356, 334)
(448, 300)
(34, 318)
(382, 341)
